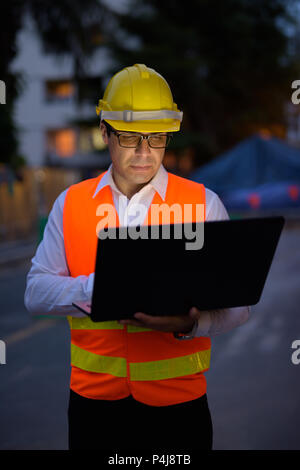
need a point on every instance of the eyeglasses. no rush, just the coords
(156, 141)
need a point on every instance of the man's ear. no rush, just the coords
(103, 131)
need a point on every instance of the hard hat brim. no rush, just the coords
(164, 125)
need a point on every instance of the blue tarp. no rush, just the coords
(282, 195)
(256, 173)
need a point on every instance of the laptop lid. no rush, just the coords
(166, 275)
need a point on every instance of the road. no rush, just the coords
(253, 386)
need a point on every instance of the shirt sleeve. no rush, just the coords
(50, 290)
(215, 322)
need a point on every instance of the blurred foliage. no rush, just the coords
(8, 135)
(64, 26)
(229, 64)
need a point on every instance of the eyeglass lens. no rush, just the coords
(133, 140)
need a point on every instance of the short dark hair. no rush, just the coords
(108, 127)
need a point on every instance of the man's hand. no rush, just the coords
(176, 324)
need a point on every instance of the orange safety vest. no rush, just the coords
(111, 361)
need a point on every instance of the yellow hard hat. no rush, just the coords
(138, 99)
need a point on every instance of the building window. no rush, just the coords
(61, 142)
(59, 90)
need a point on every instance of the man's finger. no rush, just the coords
(155, 322)
(131, 322)
(194, 313)
(144, 317)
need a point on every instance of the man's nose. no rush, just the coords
(143, 147)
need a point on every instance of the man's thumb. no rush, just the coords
(193, 312)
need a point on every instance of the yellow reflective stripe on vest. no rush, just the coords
(87, 324)
(150, 370)
(91, 362)
(137, 329)
(170, 368)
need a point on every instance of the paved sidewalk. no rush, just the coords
(17, 250)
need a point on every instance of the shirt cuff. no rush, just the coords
(189, 335)
(194, 330)
(90, 286)
(203, 325)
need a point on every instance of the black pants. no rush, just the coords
(129, 424)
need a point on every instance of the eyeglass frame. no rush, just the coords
(169, 135)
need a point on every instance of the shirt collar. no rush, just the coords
(159, 182)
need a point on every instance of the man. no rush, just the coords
(137, 383)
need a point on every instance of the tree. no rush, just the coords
(228, 63)
(64, 26)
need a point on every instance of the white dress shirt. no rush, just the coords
(50, 289)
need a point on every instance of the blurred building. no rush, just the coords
(54, 129)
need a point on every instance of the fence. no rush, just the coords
(24, 205)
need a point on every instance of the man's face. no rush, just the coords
(132, 167)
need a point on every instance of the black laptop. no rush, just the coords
(167, 275)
